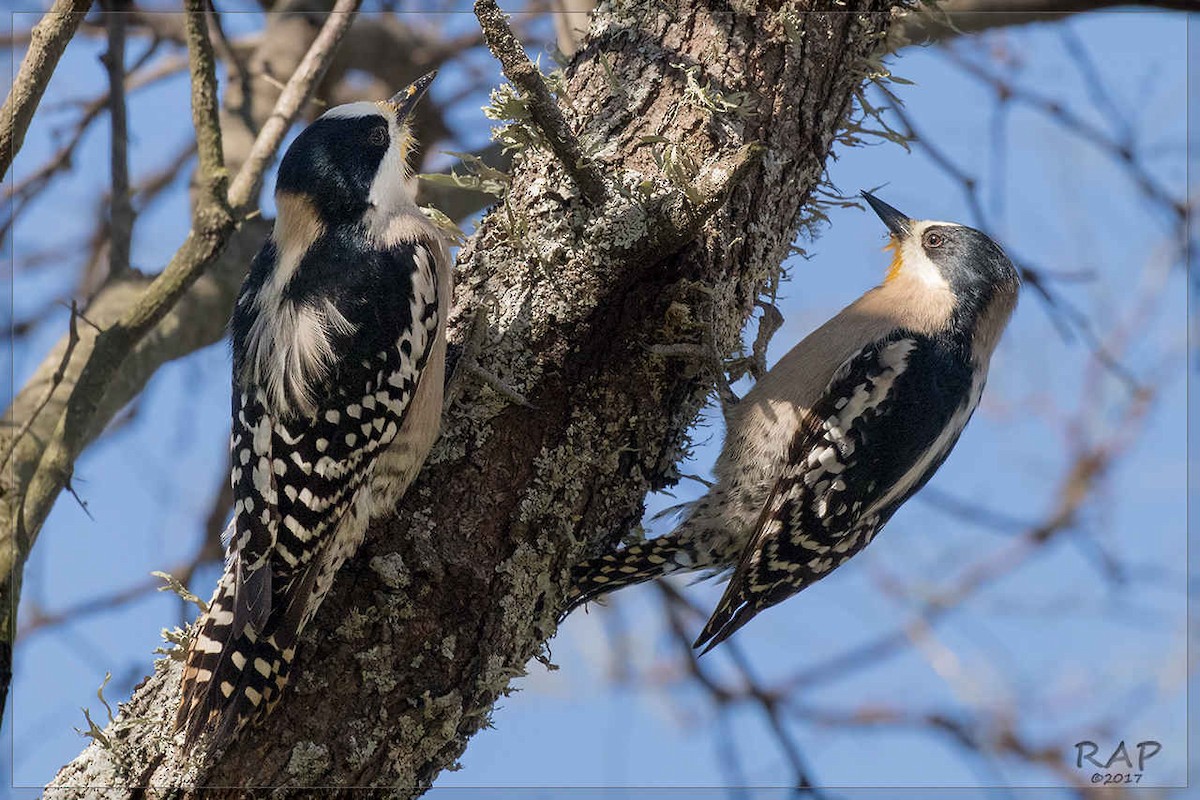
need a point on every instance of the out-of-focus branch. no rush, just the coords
(207, 551)
(958, 17)
(244, 189)
(48, 40)
(750, 688)
(120, 206)
(24, 191)
(1122, 152)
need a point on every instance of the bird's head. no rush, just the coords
(353, 158)
(945, 256)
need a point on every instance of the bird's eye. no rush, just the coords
(378, 136)
(934, 240)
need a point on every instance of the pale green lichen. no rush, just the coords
(355, 623)
(361, 750)
(307, 761)
(109, 738)
(375, 668)
(477, 176)
(178, 640)
(173, 585)
(708, 97)
(391, 570)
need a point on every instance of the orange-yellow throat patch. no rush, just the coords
(897, 258)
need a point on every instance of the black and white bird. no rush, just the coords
(338, 362)
(841, 432)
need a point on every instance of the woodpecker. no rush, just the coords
(849, 424)
(338, 339)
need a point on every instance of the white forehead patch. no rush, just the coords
(363, 108)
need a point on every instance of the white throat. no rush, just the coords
(393, 189)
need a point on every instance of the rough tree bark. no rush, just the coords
(452, 596)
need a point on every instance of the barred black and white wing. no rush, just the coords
(314, 405)
(884, 424)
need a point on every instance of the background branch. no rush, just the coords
(952, 18)
(47, 41)
(120, 204)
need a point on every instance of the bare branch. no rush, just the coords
(120, 228)
(542, 106)
(958, 17)
(55, 380)
(25, 189)
(751, 689)
(1119, 151)
(47, 41)
(244, 189)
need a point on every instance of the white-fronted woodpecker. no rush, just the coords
(339, 349)
(848, 425)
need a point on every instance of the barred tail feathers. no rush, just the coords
(230, 681)
(637, 563)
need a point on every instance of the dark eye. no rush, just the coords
(378, 136)
(934, 239)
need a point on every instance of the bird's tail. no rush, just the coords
(637, 563)
(231, 679)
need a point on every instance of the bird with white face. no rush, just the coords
(848, 425)
(338, 340)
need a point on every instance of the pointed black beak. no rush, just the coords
(405, 100)
(899, 224)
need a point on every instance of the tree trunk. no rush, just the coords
(451, 597)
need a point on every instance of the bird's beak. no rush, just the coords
(899, 224)
(404, 101)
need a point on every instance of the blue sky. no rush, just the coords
(1054, 640)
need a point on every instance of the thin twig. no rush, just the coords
(47, 41)
(753, 690)
(236, 65)
(244, 190)
(55, 380)
(1119, 151)
(542, 107)
(120, 207)
(28, 187)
